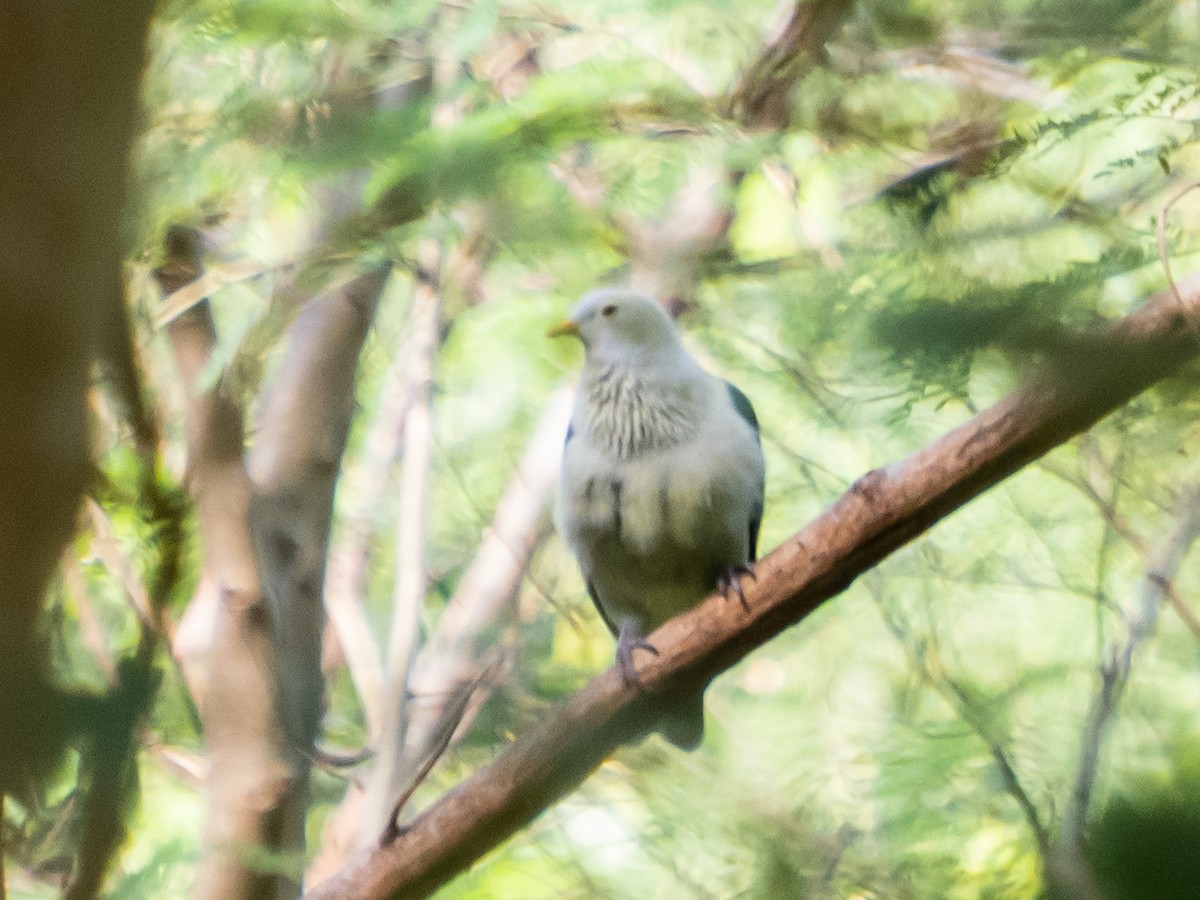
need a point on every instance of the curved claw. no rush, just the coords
(731, 583)
(628, 640)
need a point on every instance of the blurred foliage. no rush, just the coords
(962, 188)
(1141, 844)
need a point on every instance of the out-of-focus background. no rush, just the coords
(349, 224)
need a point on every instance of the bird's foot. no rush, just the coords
(731, 583)
(628, 640)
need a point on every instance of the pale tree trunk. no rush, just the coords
(293, 468)
(263, 700)
(247, 764)
(456, 657)
(448, 680)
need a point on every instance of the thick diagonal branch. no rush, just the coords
(883, 510)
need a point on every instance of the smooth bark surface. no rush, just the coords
(264, 691)
(243, 735)
(293, 468)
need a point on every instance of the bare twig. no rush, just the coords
(152, 613)
(1189, 619)
(451, 718)
(1121, 525)
(411, 579)
(1115, 669)
(117, 562)
(968, 710)
(1164, 257)
(450, 668)
(1008, 773)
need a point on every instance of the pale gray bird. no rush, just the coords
(662, 479)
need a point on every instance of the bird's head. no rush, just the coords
(620, 324)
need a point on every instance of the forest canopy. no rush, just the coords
(280, 591)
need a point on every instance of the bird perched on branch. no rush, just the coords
(662, 480)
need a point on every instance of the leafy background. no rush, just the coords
(955, 188)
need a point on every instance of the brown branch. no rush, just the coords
(882, 511)
(762, 98)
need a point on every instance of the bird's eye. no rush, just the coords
(610, 310)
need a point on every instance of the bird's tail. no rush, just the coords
(683, 723)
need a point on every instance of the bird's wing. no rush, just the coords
(755, 523)
(742, 404)
(591, 589)
(745, 409)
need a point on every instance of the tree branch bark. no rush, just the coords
(884, 510)
(242, 731)
(293, 469)
(411, 581)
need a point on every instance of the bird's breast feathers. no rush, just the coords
(674, 496)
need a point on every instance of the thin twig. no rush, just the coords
(1117, 664)
(448, 723)
(966, 708)
(411, 580)
(1189, 619)
(346, 573)
(1165, 260)
(453, 658)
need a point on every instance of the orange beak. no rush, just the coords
(564, 328)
